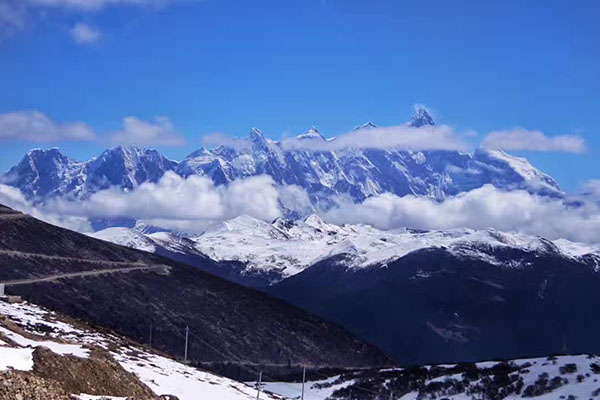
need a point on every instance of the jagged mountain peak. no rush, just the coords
(317, 222)
(323, 174)
(43, 158)
(54, 151)
(366, 125)
(421, 118)
(312, 133)
(129, 150)
(256, 133)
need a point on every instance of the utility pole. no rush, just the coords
(303, 379)
(187, 332)
(258, 385)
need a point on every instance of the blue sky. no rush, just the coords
(225, 66)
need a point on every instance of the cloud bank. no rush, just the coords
(524, 139)
(482, 208)
(34, 126)
(13, 198)
(190, 204)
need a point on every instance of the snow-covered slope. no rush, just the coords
(291, 246)
(287, 247)
(164, 376)
(548, 378)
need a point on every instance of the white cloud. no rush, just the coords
(35, 126)
(486, 207)
(440, 137)
(194, 203)
(92, 5)
(174, 202)
(532, 140)
(159, 132)
(592, 188)
(294, 197)
(13, 198)
(16, 15)
(85, 34)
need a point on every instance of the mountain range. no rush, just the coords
(261, 254)
(324, 175)
(421, 296)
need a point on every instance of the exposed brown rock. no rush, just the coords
(16, 385)
(97, 375)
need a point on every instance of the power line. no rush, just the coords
(243, 364)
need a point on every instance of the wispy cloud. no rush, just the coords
(37, 127)
(532, 140)
(34, 126)
(85, 34)
(12, 17)
(17, 15)
(12, 197)
(403, 137)
(159, 132)
(93, 5)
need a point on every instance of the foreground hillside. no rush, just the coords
(138, 294)
(46, 356)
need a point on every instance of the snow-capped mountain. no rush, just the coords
(43, 174)
(423, 296)
(354, 172)
(286, 247)
(361, 173)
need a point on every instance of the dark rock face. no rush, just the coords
(43, 174)
(431, 306)
(226, 321)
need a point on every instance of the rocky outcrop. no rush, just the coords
(16, 385)
(98, 375)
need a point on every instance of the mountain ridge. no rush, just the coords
(266, 253)
(355, 172)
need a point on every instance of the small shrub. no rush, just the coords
(568, 369)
